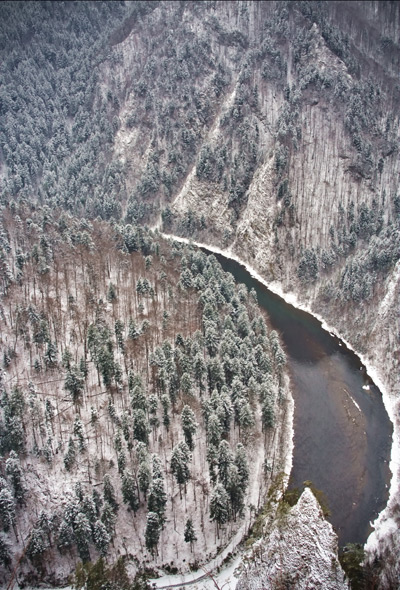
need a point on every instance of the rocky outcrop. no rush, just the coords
(299, 551)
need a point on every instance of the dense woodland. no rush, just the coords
(140, 375)
(134, 370)
(68, 95)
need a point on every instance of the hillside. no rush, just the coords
(267, 129)
(137, 373)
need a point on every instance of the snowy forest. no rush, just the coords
(134, 371)
(137, 373)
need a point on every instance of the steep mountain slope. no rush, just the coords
(137, 373)
(270, 128)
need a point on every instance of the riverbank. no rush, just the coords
(373, 372)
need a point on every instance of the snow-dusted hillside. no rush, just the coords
(145, 407)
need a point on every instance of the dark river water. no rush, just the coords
(343, 435)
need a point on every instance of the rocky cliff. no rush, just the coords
(299, 550)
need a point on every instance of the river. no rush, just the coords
(343, 435)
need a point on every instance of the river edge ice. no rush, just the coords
(383, 521)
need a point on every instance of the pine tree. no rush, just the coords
(108, 518)
(246, 417)
(14, 471)
(214, 430)
(5, 553)
(37, 545)
(129, 491)
(189, 426)
(80, 435)
(66, 537)
(69, 457)
(225, 460)
(157, 470)
(119, 329)
(236, 491)
(50, 356)
(190, 534)
(121, 460)
(83, 533)
(140, 426)
(212, 459)
(153, 406)
(186, 383)
(144, 477)
(88, 507)
(74, 384)
(109, 493)
(7, 509)
(219, 506)
(111, 293)
(153, 530)
(242, 464)
(157, 498)
(101, 538)
(133, 332)
(165, 402)
(180, 464)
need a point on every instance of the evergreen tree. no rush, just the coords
(165, 402)
(79, 433)
(267, 413)
(50, 356)
(246, 417)
(5, 553)
(74, 384)
(212, 458)
(190, 534)
(153, 406)
(119, 330)
(140, 426)
(214, 430)
(144, 477)
(101, 538)
(109, 493)
(37, 545)
(13, 470)
(157, 470)
(133, 332)
(111, 293)
(66, 537)
(7, 509)
(189, 426)
(180, 463)
(66, 359)
(219, 505)
(121, 460)
(157, 498)
(83, 533)
(129, 491)
(225, 460)
(69, 457)
(89, 508)
(186, 383)
(108, 518)
(236, 491)
(242, 465)
(153, 530)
